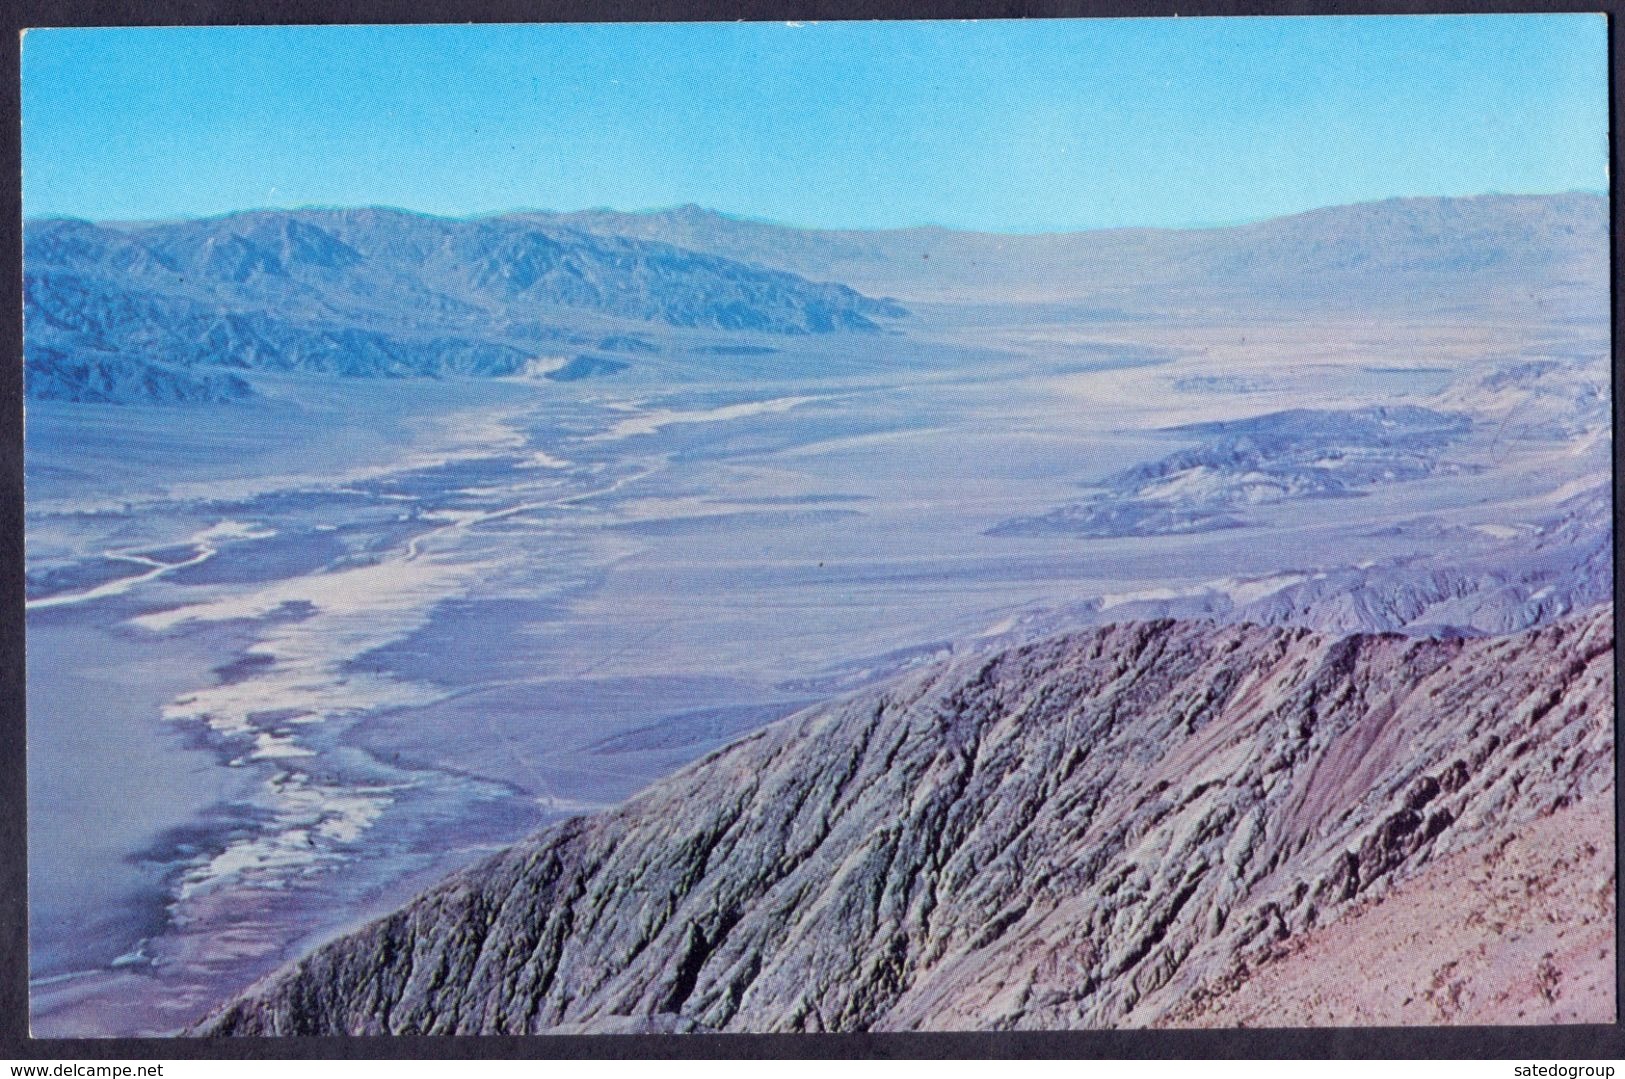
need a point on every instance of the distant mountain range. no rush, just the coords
(1366, 253)
(376, 293)
(151, 312)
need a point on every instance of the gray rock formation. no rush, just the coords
(1276, 457)
(106, 378)
(1092, 831)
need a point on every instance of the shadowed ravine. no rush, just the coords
(1122, 827)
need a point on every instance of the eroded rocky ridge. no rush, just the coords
(1112, 828)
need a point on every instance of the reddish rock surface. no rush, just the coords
(1519, 929)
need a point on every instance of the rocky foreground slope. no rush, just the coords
(1144, 824)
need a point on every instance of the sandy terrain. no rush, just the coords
(1516, 930)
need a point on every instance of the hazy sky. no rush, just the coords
(992, 125)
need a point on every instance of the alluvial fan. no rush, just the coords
(1148, 823)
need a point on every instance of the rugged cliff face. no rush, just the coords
(1138, 825)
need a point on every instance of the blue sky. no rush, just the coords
(1011, 126)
